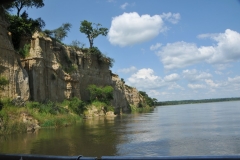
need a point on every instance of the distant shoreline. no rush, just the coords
(164, 103)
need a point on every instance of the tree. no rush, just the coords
(20, 4)
(150, 101)
(59, 33)
(87, 28)
(23, 27)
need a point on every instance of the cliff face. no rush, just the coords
(10, 66)
(55, 72)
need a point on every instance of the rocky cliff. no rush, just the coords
(53, 71)
(10, 66)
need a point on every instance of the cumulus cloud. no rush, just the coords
(155, 47)
(172, 77)
(131, 28)
(227, 49)
(154, 93)
(171, 17)
(182, 54)
(194, 75)
(211, 83)
(175, 86)
(123, 6)
(196, 86)
(128, 70)
(145, 79)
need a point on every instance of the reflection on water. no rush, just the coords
(196, 129)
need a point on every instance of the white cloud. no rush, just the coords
(128, 70)
(155, 47)
(172, 77)
(211, 83)
(131, 28)
(123, 6)
(196, 86)
(235, 80)
(228, 47)
(145, 79)
(175, 86)
(218, 72)
(153, 93)
(194, 75)
(182, 54)
(171, 17)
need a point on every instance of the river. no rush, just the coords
(191, 129)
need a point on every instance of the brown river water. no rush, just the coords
(192, 129)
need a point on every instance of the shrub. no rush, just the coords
(76, 105)
(24, 52)
(3, 82)
(102, 94)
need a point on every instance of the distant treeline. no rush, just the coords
(196, 101)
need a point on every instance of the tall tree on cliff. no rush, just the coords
(59, 33)
(20, 4)
(91, 32)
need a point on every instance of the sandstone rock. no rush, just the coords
(10, 66)
(32, 124)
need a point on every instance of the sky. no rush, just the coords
(171, 49)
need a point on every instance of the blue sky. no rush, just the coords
(171, 49)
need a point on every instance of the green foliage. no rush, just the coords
(47, 108)
(3, 82)
(100, 56)
(60, 33)
(49, 114)
(20, 4)
(71, 69)
(198, 101)
(122, 80)
(77, 45)
(102, 94)
(91, 31)
(76, 105)
(150, 101)
(24, 52)
(23, 27)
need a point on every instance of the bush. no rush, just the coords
(3, 82)
(76, 105)
(100, 56)
(102, 94)
(49, 107)
(24, 52)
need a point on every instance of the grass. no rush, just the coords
(49, 114)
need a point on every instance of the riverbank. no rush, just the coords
(34, 115)
(21, 117)
(164, 103)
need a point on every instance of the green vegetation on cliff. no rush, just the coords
(149, 101)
